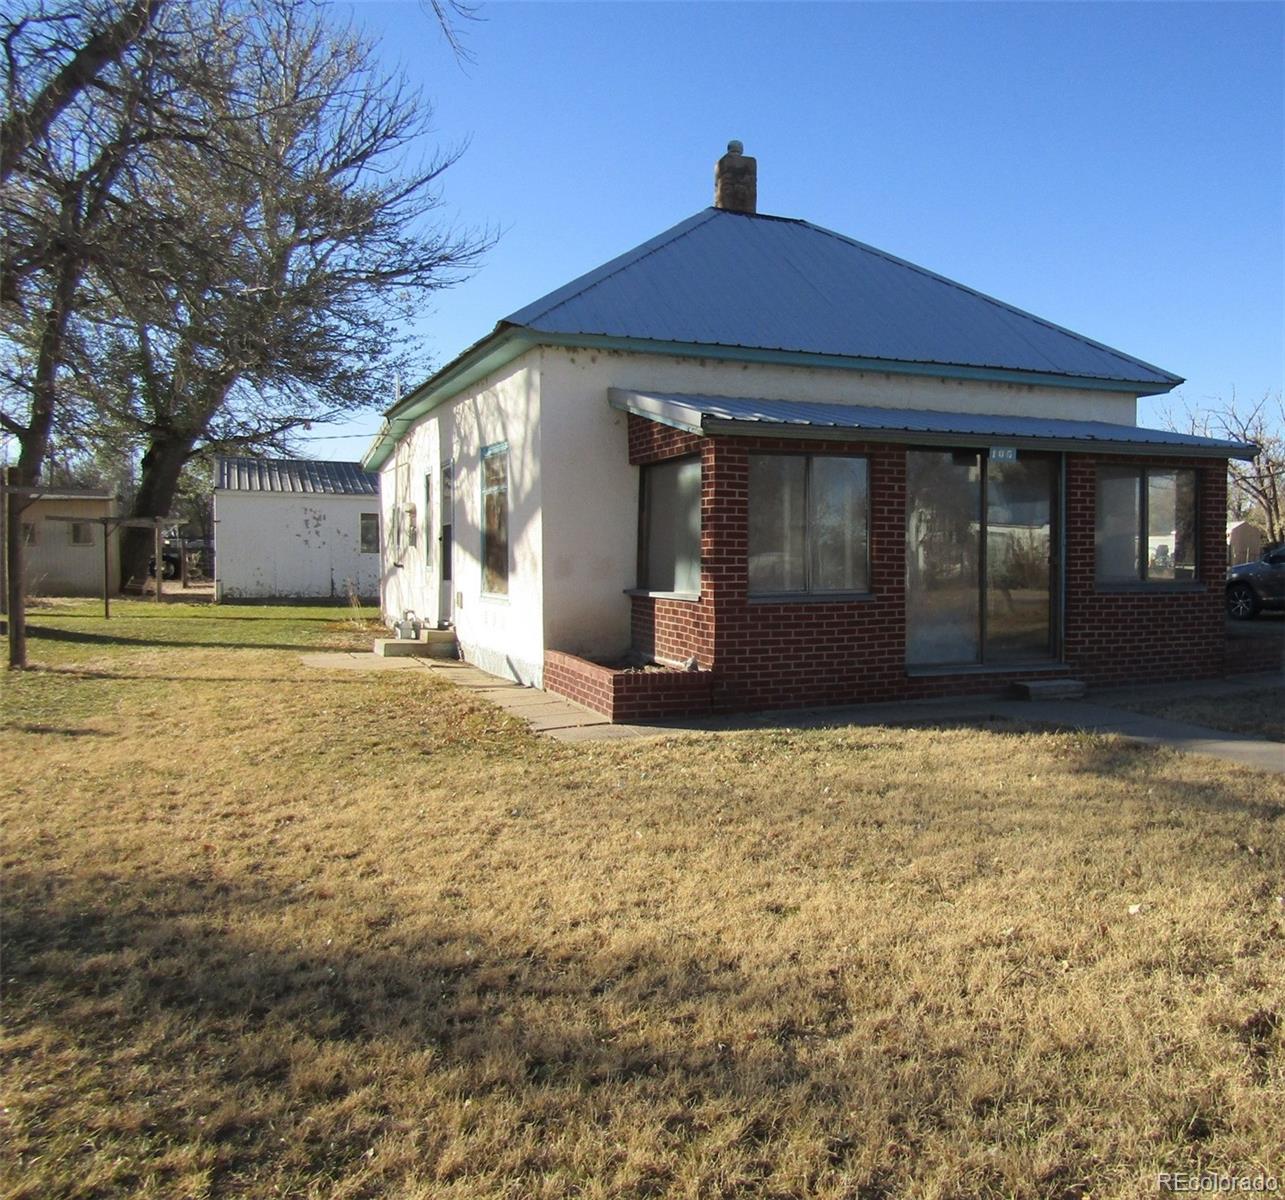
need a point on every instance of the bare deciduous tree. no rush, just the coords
(319, 241)
(218, 241)
(1255, 490)
(52, 54)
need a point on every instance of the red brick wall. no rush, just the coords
(584, 682)
(627, 695)
(1117, 635)
(814, 653)
(650, 441)
(672, 631)
(770, 654)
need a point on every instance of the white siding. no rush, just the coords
(502, 635)
(269, 544)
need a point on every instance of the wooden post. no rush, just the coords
(160, 558)
(5, 500)
(182, 563)
(15, 576)
(107, 569)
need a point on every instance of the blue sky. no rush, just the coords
(1116, 168)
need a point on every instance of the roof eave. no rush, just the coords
(824, 433)
(690, 419)
(802, 358)
(500, 347)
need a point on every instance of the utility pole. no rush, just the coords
(15, 575)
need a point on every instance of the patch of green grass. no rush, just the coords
(278, 931)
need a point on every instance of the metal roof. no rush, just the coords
(774, 283)
(304, 475)
(750, 416)
(70, 493)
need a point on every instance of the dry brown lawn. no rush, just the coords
(279, 932)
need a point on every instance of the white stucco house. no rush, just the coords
(810, 470)
(292, 527)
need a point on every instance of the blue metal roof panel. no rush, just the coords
(773, 283)
(714, 413)
(301, 475)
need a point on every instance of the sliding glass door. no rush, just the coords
(943, 559)
(979, 558)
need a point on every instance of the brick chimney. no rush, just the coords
(736, 181)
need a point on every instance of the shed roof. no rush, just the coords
(304, 475)
(72, 493)
(775, 283)
(751, 416)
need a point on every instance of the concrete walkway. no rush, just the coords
(567, 721)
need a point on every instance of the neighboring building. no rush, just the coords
(818, 472)
(288, 527)
(65, 557)
(1244, 542)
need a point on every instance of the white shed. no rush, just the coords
(1244, 542)
(286, 527)
(65, 556)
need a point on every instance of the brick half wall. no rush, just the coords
(1134, 635)
(627, 695)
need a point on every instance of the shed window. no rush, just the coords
(670, 530)
(809, 524)
(28, 533)
(82, 533)
(495, 520)
(1146, 525)
(370, 533)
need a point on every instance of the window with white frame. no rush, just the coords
(29, 535)
(1145, 527)
(82, 533)
(495, 519)
(669, 540)
(808, 524)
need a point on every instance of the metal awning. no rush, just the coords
(753, 417)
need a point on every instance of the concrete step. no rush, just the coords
(431, 643)
(1050, 689)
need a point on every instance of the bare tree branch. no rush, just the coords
(29, 122)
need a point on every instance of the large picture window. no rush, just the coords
(1146, 525)
(670, 531)
(809, 524)
(495, 520)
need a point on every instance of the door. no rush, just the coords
(980, 558)
(446, 605)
